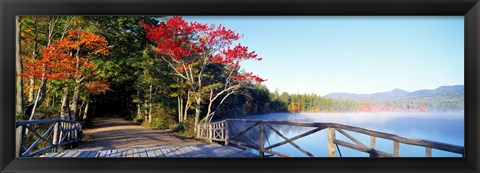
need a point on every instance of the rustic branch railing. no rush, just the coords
(224, 131)
(60, 132)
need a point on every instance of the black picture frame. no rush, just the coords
(10, 8)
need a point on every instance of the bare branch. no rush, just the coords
(173, 67)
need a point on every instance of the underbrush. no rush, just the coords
(165, 120)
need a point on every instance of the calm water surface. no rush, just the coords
(441, 127)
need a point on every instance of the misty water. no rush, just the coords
(440, 127)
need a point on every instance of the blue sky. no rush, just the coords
(356, 54)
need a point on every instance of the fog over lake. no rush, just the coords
(441, 127)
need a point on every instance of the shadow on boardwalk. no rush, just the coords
(115, 132)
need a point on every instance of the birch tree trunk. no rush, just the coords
(150, 103)
(180, 109)
(145, 111)
(18, 68)
(64, 106)
(31, 92)
(76, 89)
(197, 111)
(74, 104)
(31, 85)
(139, 104)
(40, 98)
(85, 112)
(187, 105)
(80, 109)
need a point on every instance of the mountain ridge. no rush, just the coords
(453, 91)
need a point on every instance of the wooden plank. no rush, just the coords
(276, 153)
(77, 154)
(185, 152)
(84, 153)
(136, 152)
(142, 152)
(367, 150)
(62, 154)
(169, 152)
(158, 152)
(226, 151)
(206, 152)
(175, 151)
(119, 153)
(178, 152)
(207, 149)
(150, 152)
(130, 152)
(165, 152)
(122, 152)
(196, 152)
(53, 155)
(350, 137)
(114, 153)
(109, 153)
(396, 148)
(50, 155)
(217, 153)
(304, 124)
(102, 153)
(94, 153)
(70, 154)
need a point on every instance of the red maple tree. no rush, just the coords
(185, 45)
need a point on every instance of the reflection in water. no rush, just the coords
(441, 127)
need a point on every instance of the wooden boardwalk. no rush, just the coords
(116, 137)
(207, 150)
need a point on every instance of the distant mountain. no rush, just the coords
(444, 92)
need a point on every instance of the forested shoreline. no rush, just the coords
(164, 72)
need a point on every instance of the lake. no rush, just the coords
(441, 127)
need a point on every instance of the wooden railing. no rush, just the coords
(60, 132)
(227, 132)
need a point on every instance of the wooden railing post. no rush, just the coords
(20, 131)
(210, 133)
(332, 151)
(61, 133)
(396, 148)
(55, 135)
(262, 140)
(372, 145)
(428, 152)
(226, 133)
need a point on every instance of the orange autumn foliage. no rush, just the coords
(68, 58)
